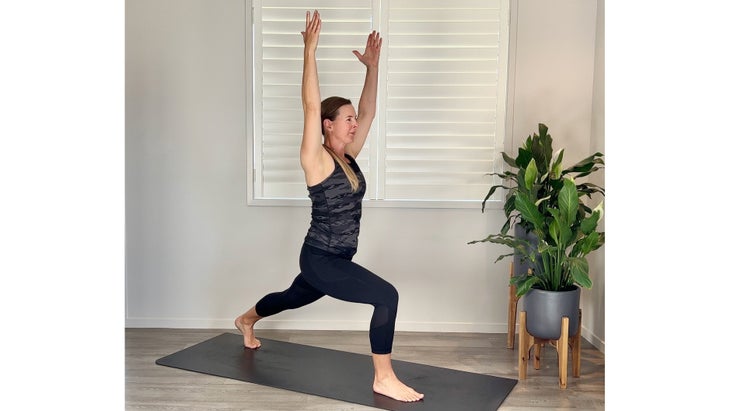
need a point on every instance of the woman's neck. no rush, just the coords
(338, 149)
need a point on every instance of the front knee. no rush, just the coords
(391, 296)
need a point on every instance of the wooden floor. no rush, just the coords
(153, 387)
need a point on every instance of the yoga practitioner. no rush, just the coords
(336, 187)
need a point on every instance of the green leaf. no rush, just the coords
(523, 158)
(555, 230)
(529, 211)
(568, 201)
(589, 225)
(490, 193)
(503, 256)
(556, 170)
(589, 188)
(509, 160)
(524, 285)
(530, 174)
(563, 230)
(542, 149)
(587, 164)
(509, 204)
(578, 268)
(508, 240)
(589, 243)
(505, 227)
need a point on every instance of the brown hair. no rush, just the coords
(329, 111)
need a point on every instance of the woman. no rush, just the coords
(336, 187)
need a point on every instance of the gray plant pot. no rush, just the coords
(546, 309)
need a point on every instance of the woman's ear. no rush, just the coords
(327, 124)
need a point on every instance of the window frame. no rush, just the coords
(503, 126)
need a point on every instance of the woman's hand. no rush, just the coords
(372, 50)
(311, 32)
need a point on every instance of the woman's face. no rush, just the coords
(343, 127)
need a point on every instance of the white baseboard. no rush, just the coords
(594, 340)
(273, 324)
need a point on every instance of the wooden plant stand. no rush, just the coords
(565, 342)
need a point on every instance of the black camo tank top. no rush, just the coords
(336, 212)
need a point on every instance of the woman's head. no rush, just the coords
(330, 116)
(339, 123)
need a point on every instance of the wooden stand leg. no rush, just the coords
(524, 347)
(575, 346)
(537, 353)
(563, 353)
(511, 310)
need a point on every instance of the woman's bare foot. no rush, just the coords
(244, 323)
(386, 383)
(392, 387)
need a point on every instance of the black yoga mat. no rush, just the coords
(339, 375)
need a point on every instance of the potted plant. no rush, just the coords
(561, 229)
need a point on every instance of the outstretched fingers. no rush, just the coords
(313, 24)
(374, 41)
(372, 50)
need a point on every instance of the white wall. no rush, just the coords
(558, 81)
(594, 300)
(198, 255)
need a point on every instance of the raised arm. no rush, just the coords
(368, 98)
(311, 151)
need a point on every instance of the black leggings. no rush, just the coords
(328, 274)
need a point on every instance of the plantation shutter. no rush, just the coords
(441, 98)
(443, 93)
(278, 73)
